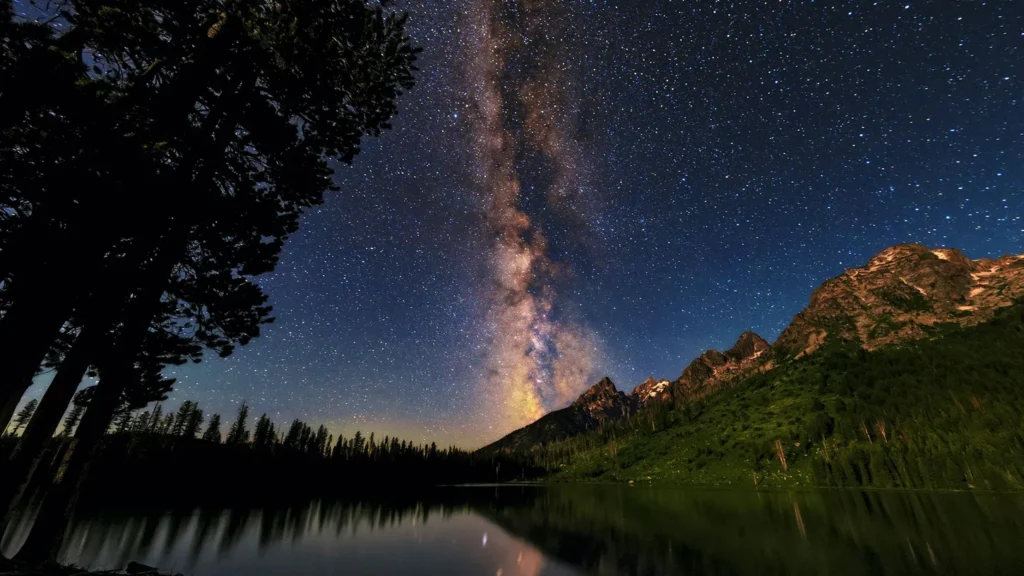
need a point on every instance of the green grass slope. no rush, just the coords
(942, 413)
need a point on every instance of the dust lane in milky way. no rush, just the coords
(538, 356)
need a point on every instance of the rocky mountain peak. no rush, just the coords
(953, 255)
(902, 292)
(749, 345)
(603, 388)
(651, 390)
(713, 368)
(603, 400)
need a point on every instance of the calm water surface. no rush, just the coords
(564, 530)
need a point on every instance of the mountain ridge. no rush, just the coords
(903, 293)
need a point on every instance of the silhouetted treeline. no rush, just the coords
(185, 457)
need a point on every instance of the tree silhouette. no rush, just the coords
(123, 423)
(193, 421)
(245, 78)
(293, 438)
(239, 434)
(52, 117)
(167, 424)
(141, 424)
(187, 322)
(74, 415)
(264, 436)
(212, 433)
(156, 418)
(239, 114)
(181, 419)
(24, 415)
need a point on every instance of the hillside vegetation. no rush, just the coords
(943, 412)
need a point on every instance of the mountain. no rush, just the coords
(652, 391)
(707, 373)
(905, 293)
(901, 294)
(712, 369)
(602, 403)
(942, 412)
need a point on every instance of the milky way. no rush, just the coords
(613, 187)
(537, 359)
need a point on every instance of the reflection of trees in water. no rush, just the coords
(117, 538)
(612, 529)
(206, 526)
(625, 530)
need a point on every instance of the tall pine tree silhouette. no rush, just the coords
(239, 433)
(239, 115)
(213, 433)
(24, 415)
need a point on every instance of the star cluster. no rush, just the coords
(579, 188)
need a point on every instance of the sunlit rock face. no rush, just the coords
(652, 390)
(900, 294)
(713, 368)
(604, 402)
(707, 373)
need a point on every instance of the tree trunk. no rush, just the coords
(26, 332)
(45, 421)
(38, 312)
(47, 534)
(41, 259)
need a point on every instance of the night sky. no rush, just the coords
(577, 189)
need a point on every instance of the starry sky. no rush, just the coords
(585, 188)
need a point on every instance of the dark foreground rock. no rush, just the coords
(10, 568)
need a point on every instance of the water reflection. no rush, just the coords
(572, 530)
(648, 531)
(351, 537)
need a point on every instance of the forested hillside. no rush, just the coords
(941, 412)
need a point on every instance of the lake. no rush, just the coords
(565, 530)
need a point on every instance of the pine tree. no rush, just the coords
(263, 436)
(167, 424)
(71, 420)
(239, 434)
(239, 115)
(292, 439)
(24, 415)
(319, 443)
(212, 433)
(193, 422)
(339, 448)
(156, 418)
(236, 84)
(181, 419)
(141, 424)
(124, 422)
(358, 444)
